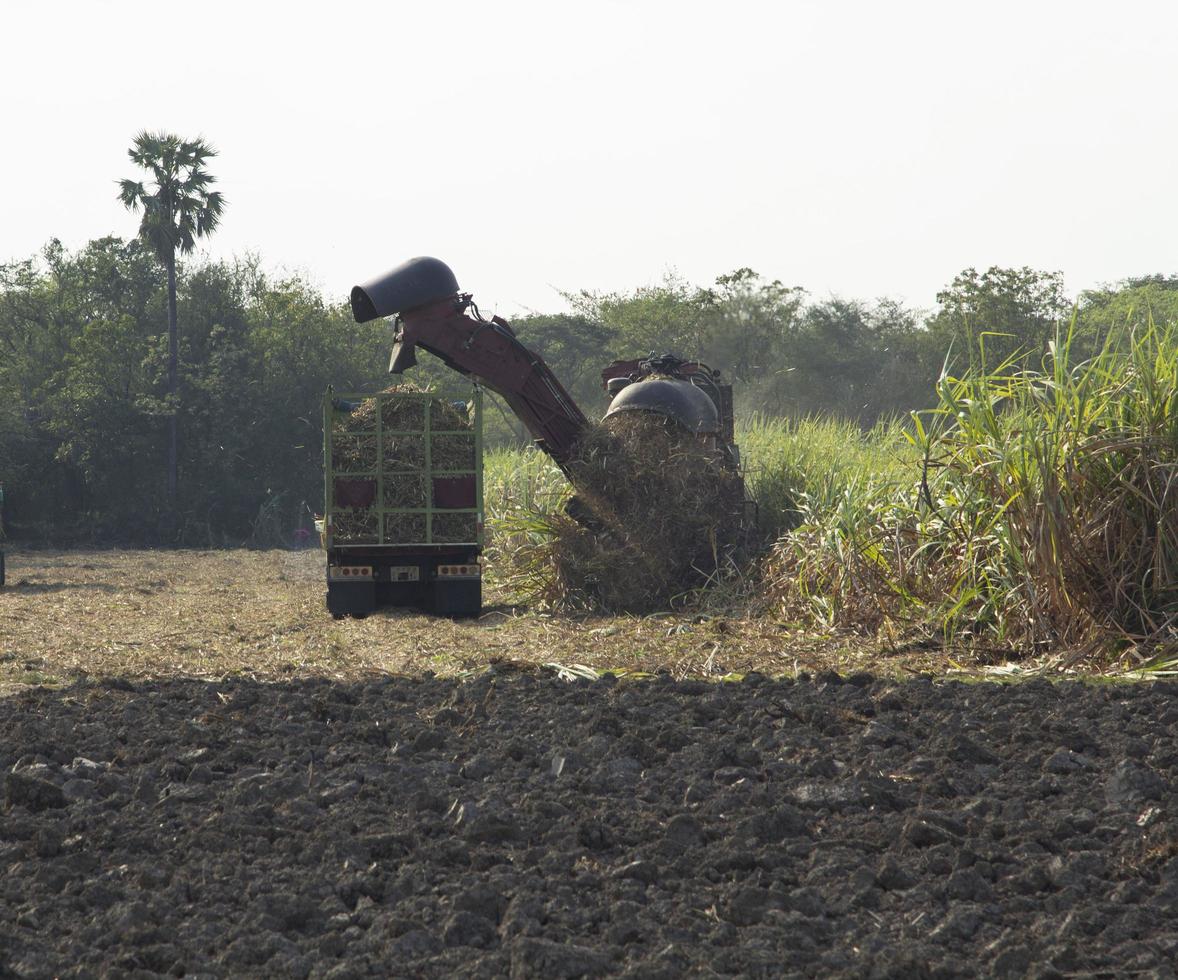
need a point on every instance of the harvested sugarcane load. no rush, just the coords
(403, 500)
(656, 514)
(402, 423)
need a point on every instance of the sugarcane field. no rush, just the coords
(207, 776)
(429, 550)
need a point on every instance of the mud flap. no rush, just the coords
(457, 597)
(351, 598)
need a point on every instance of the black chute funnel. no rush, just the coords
(414, 283)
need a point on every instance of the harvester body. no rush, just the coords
(433, 315)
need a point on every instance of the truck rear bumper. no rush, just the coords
(447, 582)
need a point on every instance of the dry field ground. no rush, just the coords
(205, 775)
(260, 614)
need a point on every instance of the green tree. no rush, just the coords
(179, 208)
(83, 359)
(81, 351)
(749, 325)
(1000, 313)
(831, 359)
(854, 360)
(671, 317)
(1130, 305)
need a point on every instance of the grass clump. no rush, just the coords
(1039, 514)
(1032, 510)
(798, 468)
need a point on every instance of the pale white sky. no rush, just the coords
(861, 148)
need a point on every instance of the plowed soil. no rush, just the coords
(518, 825)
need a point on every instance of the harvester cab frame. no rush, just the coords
(431, 312)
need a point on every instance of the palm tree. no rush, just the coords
(177, 210)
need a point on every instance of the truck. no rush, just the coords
(403, 501)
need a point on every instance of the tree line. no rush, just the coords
(85, 408)
(793, 355)
(148, 399)
(86, 405)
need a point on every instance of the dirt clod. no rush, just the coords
(32, 793)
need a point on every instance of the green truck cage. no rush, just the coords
(403, 499)
(394, 478)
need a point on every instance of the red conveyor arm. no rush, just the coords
(489, 351)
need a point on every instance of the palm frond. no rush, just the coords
(179, 208)
(197, 151)
(196, 181)
(132, 193)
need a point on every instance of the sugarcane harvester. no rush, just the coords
(433, 314)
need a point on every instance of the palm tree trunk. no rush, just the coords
(173, 358)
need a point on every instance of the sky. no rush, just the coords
(863, 149)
